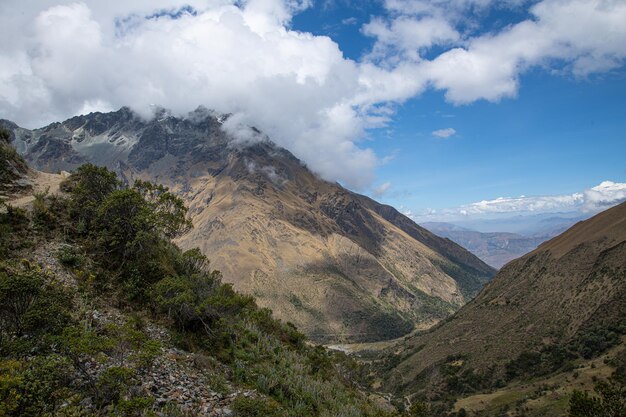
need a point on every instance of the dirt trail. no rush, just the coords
(42, 181)
(377, 346)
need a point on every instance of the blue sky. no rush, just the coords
(559, 135)
(444, 109)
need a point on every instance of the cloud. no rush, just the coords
(380, 190)
(591, 200)
(523, 204)
(58, 59)
(444, 133)
(604, 195)
(578, 37)
(408, 36)
(295, 87)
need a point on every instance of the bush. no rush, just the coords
(14, 223)
(69, 257)
(29, 304)
(549, 359)
(34, 388)
(419, 409)
(113, 384)
(609, 401)
(19, 288)
(128, 228)
(256, 407)
(88, 187)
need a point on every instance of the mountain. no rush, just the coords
(102, 315)
(529, 225)
(556, 309)
(495, 248)
(339, 265)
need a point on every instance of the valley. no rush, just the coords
(313, 208)
(547, 327)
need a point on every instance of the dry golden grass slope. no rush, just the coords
(339, 265)
(569, 284)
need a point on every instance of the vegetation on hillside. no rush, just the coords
(113, 244)
(12, 165)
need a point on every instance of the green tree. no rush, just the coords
(89, 186)
(19, 289)
(169, 211)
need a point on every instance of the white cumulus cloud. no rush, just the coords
(60, 58)
(604, 195)
(444, 133)
(591, 200)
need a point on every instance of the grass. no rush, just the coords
(534, 399)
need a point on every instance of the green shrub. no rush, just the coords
(34, 388)
(609, 400)
(419, 409)
(134, 406)
(113, 384)
(14, 223)
(69, 256)
(19, 288)
(29, 304)
(256, 407)
(88, 187)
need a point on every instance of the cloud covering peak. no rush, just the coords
(58, 59)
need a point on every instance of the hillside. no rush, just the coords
(101, 315)
(560, 306)
(14, 172)
(494, 248)
(339, 265)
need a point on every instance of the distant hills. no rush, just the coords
(339, 265)
(498, 248)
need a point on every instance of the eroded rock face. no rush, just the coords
(339, 265)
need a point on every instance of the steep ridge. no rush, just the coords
(566, 299)
(339, 265)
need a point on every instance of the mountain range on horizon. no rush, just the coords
(497, 248)
(339, 265)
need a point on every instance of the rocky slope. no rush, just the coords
(339, 265)
(14, 172)
(564, 300)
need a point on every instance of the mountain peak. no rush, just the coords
(338, 264)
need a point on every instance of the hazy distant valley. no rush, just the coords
(496, 248)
